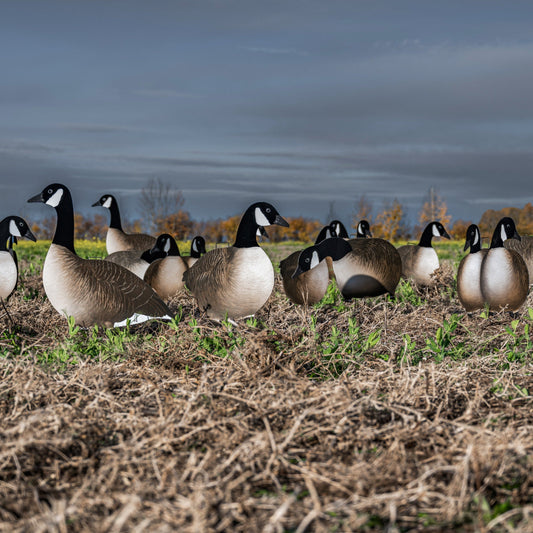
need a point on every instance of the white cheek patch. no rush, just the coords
(260, 218)
(328, 234)
(107, 203)
(55, 198)
(13, 229)
(194, 247)
(360, 229)
(476, 238)
(314, 260)
(436, 232)
(338, 229)
(503, 233)
(166, 248)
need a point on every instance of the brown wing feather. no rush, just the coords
(117, 290)
(407, 255)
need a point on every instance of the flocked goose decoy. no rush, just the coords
(116, 239)
(372, 268)
(165, 275)
(238, 280)
(363, 230)
(420, 261)
(93, 292)
(504, 275)
(469, 271)
(197, 249)
(11, 228)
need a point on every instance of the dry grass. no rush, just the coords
(276, 436)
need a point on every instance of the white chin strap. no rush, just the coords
(314, 260)
(260, 218)
(107, 203)
(13, 229)
(166, 248)
(504, 234)
(476, 238)
(55, 198)
(435, 231)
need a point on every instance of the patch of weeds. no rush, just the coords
(405, 293)
(445, 343)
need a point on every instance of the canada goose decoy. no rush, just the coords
(524, 247)
(310, 286)
(420, 261)
(238, 280)
(469, 271)
(92, 291)
(136, 261)
(504, 275)
(165, 275)
(338, 229)
(116, 240)
(197, 249)
(325, 233)
(371, 268)
(10, 228)
(363, 230)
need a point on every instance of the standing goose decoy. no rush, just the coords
(238, 280)
(504, 275)
(372, 268)
(469, 272)
(92, 291)
(420, 261)
(165, 275)
(524, 247)
(197, 249)
(338, 229)
(116, 240)
(11, 228)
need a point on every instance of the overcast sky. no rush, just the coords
(297, 102)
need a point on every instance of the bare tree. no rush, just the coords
(158, 201)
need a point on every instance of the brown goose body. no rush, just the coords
(231, 281)
(525, 248)
(469, 281)
(309, 287)
(96, 292)
(418, 263)
(504, 279)
(118, 241)
(372, 268)
(131, 260)
(165, 276)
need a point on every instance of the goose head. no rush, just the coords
(16, 227)
(198, 246)
(338, 229)
(433, 229)
(473, 239)
(363, 230)
(107, 200)
(505, 229)
(53, 195)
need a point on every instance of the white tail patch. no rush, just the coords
(436, 232)
(260, 218)
(13, 229)
(55, 199)
(107, 203)
(137, 318)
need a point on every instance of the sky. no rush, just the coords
(306, 104)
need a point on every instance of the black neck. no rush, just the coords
(247, 230)
(427, 235)
(4, 234)
(64, 234)
(474, 248)
(336, 248)
(115, 215)
(497, 241)
(194, 250)
(174, 250)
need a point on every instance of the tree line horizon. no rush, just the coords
(162, 211)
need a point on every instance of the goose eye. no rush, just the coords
(21, 224)
(50, 191)
(268, 209)
(307, 259)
